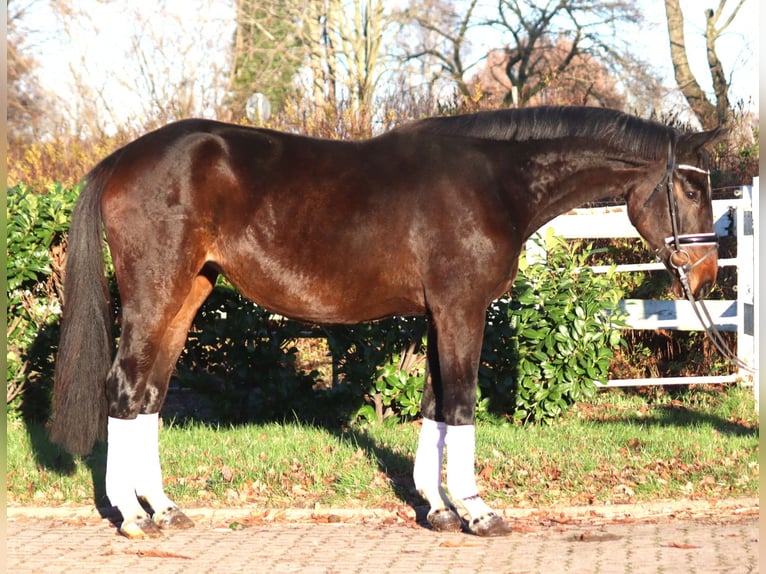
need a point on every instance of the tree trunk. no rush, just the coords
(720, 86)
(687, 83)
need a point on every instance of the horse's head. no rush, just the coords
(675, 216)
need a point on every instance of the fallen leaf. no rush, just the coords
(457, 544)
(681, 546)
(160, 554)
(635, 444)
(486, 472)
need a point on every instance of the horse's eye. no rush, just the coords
(692, 196)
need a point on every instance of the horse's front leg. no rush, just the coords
(442, 515)
(461, 483)
(450, 395)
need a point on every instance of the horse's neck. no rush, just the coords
(591, 181)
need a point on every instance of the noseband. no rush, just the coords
(677, 259)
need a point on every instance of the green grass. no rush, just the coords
(622, 447)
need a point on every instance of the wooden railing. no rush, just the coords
(733, 217)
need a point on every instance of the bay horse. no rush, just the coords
(426, 219)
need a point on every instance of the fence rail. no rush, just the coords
(733, 217)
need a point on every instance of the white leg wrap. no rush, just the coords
(461, 478)
(133, 466)
(474, 506)
(461, 448)
(148, 473)
(122, 460)
(428, 463)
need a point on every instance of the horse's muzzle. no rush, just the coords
(693, 261)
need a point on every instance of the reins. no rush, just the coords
(679, 261)
(712, 331)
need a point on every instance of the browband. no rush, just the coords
(692, 168)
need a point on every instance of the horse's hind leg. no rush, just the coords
(138, 388)
(166, 513)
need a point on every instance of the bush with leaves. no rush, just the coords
(244, 358)
(549, 345)
(381, 364)
(397, 390)
(544, 348)
(36, 231)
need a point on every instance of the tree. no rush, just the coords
(178, 76)
(346, 50)
(330, 49)
(710, 114)
(584, 81)
(442, 39)
(163, 65)
(545, 43)
(31, 110)
(266, 53)
(360, 36)
(578, 28)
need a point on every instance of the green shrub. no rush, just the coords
(381, 365)
(244, 358)
(36, 231)
(550, 344)
(397, 389)
(544, 348)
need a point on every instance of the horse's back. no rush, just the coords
(287, 219)
(323, 230)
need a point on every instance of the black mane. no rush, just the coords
(643, 137)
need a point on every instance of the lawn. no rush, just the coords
(622, 447)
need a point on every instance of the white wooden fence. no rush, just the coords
(733, 217)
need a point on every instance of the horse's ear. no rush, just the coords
(692, 147)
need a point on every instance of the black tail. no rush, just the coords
(85, 348)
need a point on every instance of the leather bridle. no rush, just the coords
(677, 259)
(672, 253)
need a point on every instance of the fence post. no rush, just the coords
(756, 230)
(744, 222)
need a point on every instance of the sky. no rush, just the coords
(103, 53)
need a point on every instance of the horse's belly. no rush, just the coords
(350, 296)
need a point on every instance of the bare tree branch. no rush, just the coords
(708, 113)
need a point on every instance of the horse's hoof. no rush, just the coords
(489, 525)
(140, 528)
(444, 520)
(172, 518)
